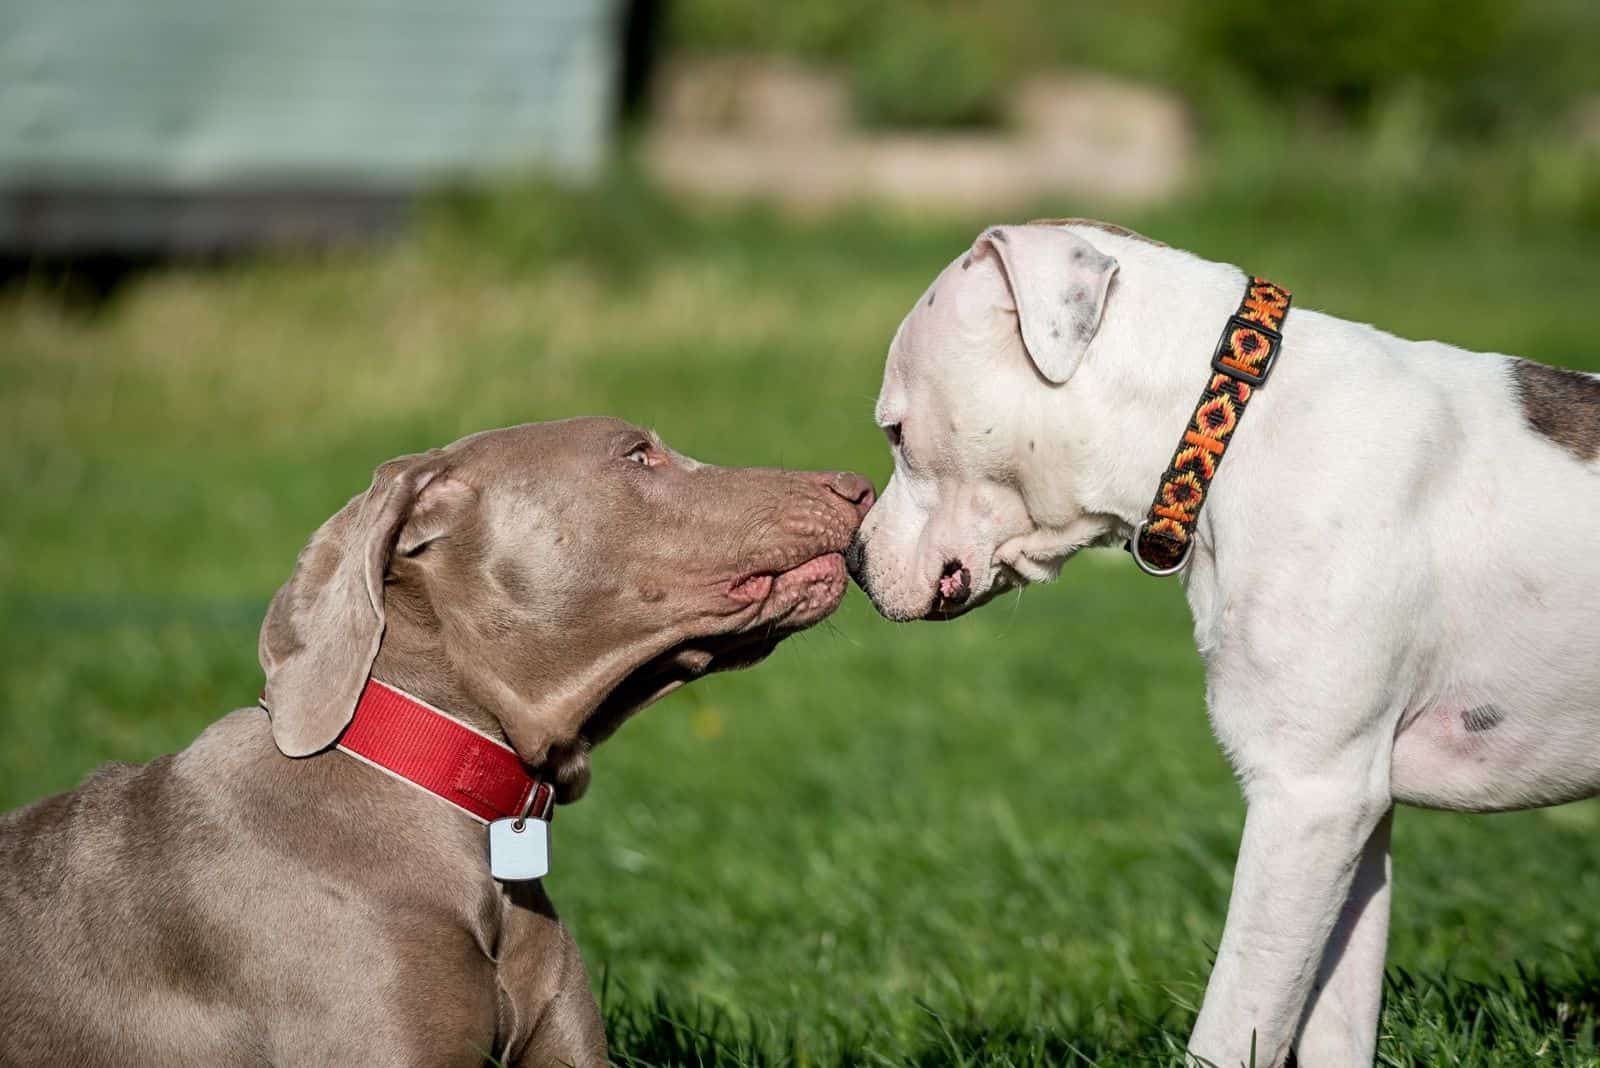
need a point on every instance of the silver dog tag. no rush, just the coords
(518, 853)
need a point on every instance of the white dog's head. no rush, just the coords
(980, 501)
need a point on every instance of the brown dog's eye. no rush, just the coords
(893, 434)
(639, 454)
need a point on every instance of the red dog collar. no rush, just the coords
(1162, 541)
(411, 740)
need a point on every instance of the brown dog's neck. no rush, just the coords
(442, 692)
(413, 658)
(418, 656)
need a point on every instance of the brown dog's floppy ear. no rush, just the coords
(323, 628)
(1058, 282)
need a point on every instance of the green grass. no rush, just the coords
(1006, 841)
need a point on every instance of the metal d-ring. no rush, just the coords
(527, 808)
(1149, 568)
(521, 822)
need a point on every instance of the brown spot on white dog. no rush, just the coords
(1562, 405)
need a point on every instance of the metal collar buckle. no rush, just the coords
(1151, 569)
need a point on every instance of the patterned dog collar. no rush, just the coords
(1163, 540)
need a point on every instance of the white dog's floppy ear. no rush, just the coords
(1058, 282)
(323, 628)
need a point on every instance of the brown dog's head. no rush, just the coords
(551, 580)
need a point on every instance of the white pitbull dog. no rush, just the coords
(1394, 580)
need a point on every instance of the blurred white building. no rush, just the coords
(189, 125)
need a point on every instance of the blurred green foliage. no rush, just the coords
(1482, 67)
(935, 77)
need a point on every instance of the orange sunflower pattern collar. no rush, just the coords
(1163, 540)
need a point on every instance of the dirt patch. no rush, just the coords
(754, 128)
(1586, 121)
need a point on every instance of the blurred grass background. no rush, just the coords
(1004, 841)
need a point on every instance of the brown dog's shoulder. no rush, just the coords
(1561, 404)
(1096, 224)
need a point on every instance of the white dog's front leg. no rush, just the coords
(1302, 841)
(1341, 1025)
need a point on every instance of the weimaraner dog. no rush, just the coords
(266, 897)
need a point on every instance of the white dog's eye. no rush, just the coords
(893, 434)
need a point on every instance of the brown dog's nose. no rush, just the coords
(853, 488)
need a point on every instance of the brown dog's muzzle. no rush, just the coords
(800, 576)
(769, 551)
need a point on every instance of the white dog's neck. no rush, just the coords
(1124, 411)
